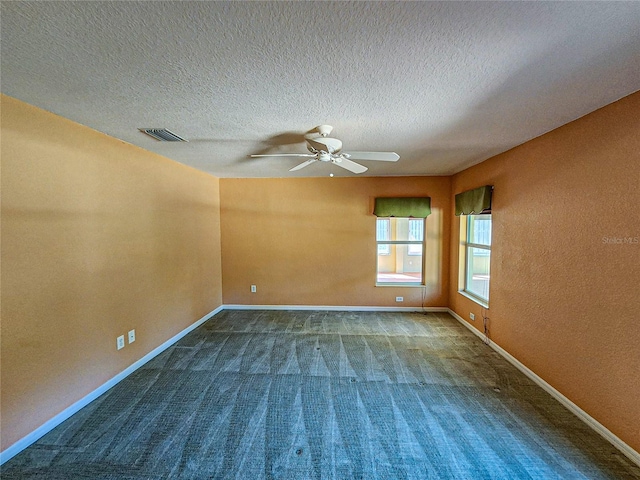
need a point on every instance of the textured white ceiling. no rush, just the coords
(444, 84)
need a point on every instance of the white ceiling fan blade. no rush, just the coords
(349, 165)
(379, 156)
(302, 165)
(284, 155)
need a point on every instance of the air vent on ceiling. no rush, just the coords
(162, 134)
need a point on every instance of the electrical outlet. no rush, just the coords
(472, 316)
(253, 289)
(399, 299)
(120, 342)
(132, 336)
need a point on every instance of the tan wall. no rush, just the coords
(311, 241)
(562, 301)
(98, 237)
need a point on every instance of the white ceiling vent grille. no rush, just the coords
(162, 134)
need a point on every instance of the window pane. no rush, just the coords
(402, 229)
(477, 280)
(383, 231)
(479, 229)
(416, 233)
(400, 267)
(416, 229)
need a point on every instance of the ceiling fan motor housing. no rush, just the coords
(325, 144)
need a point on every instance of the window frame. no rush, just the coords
(465, 248)
(388, 243)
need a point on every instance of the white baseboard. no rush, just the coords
(629, 452)
(333, 308)
(46, 427)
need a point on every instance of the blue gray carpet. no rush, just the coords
(324, 395)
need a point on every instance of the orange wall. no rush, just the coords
(98, 237)
(562, 300)
(311, 241)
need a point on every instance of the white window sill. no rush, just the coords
(475, 299)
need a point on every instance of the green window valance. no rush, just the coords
(474, 201)
(416, 207)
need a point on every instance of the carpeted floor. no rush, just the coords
(315, 395)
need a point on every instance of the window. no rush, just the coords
(476, 255)
(400, 250)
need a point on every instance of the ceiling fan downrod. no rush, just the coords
(324, 130)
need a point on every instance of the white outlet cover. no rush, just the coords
(120, 342)
(253, 289)
(472, 316)
(399, 299)
(132, 336)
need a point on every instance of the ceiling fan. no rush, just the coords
(326, 149)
